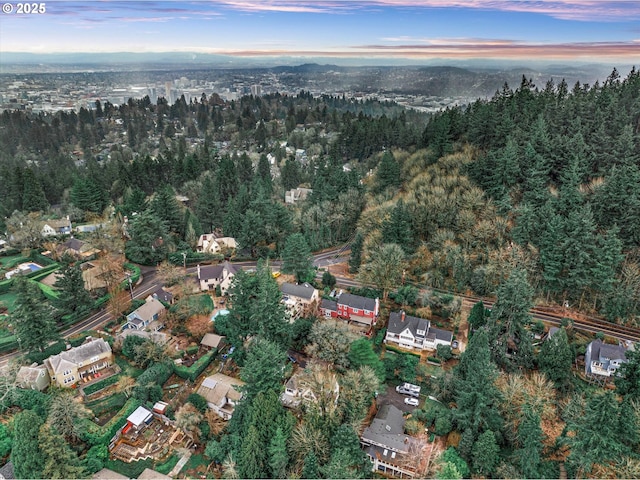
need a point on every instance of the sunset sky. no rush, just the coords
(413, 29)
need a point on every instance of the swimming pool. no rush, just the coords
(224, 311)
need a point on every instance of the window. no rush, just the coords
(355, 310)
(66, 372)
(367, 312)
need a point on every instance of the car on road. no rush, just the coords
(411, 401)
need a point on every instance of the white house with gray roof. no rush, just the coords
(411, 332)
(602, 360)
(69, 367)
(300, 299)
(386, 444)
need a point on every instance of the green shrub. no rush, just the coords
(8, 343)
(434, 360)
(194, 371)
(95, 387)
(28, 400)
(157, 374)
(192, 350)
(96, 435)
(5, 286)
(135, 273)
(129, 470)
(167, 465)
(104, 405)
(443, 425)
(54, 349)
(193, 305)
(198, 401)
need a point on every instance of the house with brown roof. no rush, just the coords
(69, 367)
(211, 340)
(222, 393)
(77, 248)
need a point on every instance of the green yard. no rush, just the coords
(8, 299)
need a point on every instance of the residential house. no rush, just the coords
(602, 360)
(35, 377)
(386, 444)
(222, 394)
(148, 316)
(56, 227)
(300, 299)
(209, 243)
(70, 366)
(164, 296)
(211, 276)
(415, 333)
(296, 195)
(351, 307)
(211, 341)
(77, 248)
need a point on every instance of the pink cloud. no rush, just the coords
(584, 10)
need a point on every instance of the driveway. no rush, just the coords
(390, 396)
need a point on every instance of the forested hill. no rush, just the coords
(544, 178)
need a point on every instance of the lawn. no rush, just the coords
(8, 262)
(8, 299)
(196, 466)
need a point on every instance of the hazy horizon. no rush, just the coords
(354, 32)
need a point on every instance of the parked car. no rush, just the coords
(408, 389)
(411, 401)
(454, 344)
(275, 274)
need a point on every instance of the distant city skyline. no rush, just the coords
(579, 30)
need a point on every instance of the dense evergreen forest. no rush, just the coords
(544, 178)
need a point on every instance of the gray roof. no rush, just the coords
(161, 294)
(387, 429)
(612, 352)
(397, 323)
(106, 474)
(217, 271)
(212, 340)
(356, 301)
(443, 335)
(7, 471)
(304, 290)
(148, 474)
(77, 355)
(328, 305)
(73, 244)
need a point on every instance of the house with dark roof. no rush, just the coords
(386, 444)
(70, 366)
(161, 294)
(212, 276)
(601, 360)
(411, 332)
(352, 307)
(77, 248)
(300, 299)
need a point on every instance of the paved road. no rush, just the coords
(150, 281)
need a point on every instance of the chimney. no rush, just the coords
(402, 315)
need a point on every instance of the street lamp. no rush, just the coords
(130, 285)
(184, 260)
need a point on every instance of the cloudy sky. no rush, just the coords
(414, 29)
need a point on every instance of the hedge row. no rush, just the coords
(96, 435)
(5, 285)
(403, 352)
(135, 275)
(8, 343)
(7, 252)
(194, 371)
(94, 387)
(37, 257)
(434, 360)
